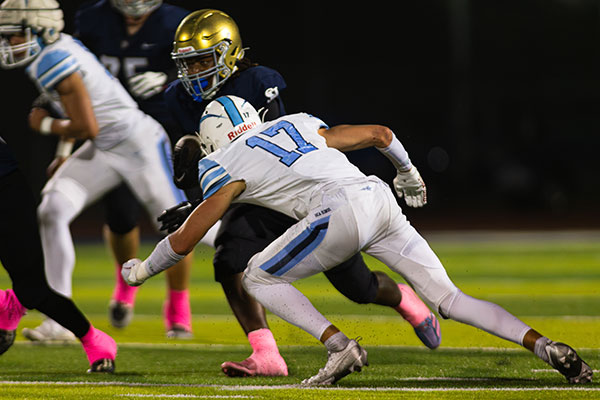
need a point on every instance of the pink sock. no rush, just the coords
(11, 310)
(177, 309)
(262, 341)
(123, 293)
(98, 345)
(411, 307)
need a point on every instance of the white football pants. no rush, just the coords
(142, 161)
(345, 220)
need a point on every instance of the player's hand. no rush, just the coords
(410, 185)
(172, 218)
(147, 84)
(36, 115)
(134, 272)
(54, 165)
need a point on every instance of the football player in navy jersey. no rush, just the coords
(214, 67)
(133, 39)
(22, 256)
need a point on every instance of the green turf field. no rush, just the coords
(551, 282)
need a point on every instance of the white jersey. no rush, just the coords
(116, 112)
(284, 163)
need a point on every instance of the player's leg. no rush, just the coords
(149, 177)
(21, 255)
(354, 280)
(407, 253)
(311, 246)
(121, 233)
(246, 230)
(81, 180)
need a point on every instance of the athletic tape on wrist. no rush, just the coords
(162, 258)
(396, 153)
(64, 148)
(46, 125)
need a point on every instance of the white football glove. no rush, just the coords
(410, 185)
(147, 84)
(134, 272)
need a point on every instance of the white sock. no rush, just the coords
(336, 342)
(540, 348)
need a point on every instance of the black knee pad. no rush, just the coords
(122, 210)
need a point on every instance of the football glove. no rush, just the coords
(134, 272)
(172, 218)
(410, 185)
(147, 84)
(186, 155)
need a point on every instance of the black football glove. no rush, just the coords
(186, 155)
(172, 218)
(45, 101)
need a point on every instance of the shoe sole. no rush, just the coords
(7, 338)
(104, 365)
(360, 360)
(236, 371)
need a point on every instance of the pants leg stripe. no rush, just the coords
(301, 246)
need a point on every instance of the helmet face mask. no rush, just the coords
(21, 54)
(213, 37)
(34, 24)
(224, 120)
(205, 83)
(136, 8)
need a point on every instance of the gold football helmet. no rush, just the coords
(206, 47)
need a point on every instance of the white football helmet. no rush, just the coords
(37, 22)
(224, 120)
(136, 8)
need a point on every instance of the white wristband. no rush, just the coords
(46, 125)
(64, 148)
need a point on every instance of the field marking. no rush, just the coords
(287, 387)
(186, 396)
(180, 346)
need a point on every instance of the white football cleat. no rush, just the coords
(49, 331)
(340, 364)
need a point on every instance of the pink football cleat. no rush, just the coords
(11, 312)
(417, 314)
(101, 350)
(256, 366)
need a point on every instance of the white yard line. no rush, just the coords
(287, 387)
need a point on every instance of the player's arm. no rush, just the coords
(178, 244)
(81, 122)
(356, 137)
(408, 182)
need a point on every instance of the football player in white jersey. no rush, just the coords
(294, 165)
(122, 143)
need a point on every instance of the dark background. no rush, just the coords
(496, 101)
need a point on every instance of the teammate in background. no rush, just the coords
(210, 58)
(294, 165)
(22, 257)
(133, 39)
(122, 143)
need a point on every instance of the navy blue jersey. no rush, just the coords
(8, 163)
(258, 85)
(102, 29)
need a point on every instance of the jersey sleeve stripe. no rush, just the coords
(58, 72)
(211, 177)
